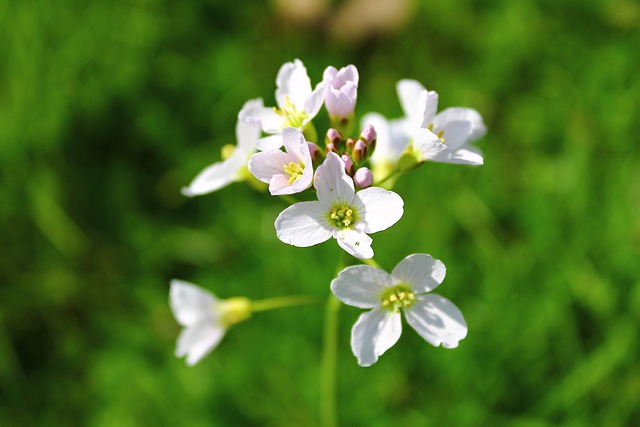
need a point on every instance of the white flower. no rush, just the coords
(286, 173)
(433, 317)
(297, 103)
(204, 317)
(233, 168)
(341, 90)
(442, 137)
(340, 212)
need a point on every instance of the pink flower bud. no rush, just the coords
(341, 90)
(351, 143)
(363, 178)
(331, 147)
(333, 137)
(368, 134)
(348, 164)
(359, 151)
(314, 150)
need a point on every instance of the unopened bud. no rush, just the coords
(368, 134)
(351, 143)
(331, 147)
(363, 178)
(359, 151)
(333, 137)
(314, 150)
(348, 164)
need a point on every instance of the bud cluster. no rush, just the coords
(355, 153)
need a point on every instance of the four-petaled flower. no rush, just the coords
(233, 168)
(286, 173)
(204, 317)
(341, 91)
(340, 212)
(297, 103)
(436, 319)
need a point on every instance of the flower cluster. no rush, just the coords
(351, 176)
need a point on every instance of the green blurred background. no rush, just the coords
(109, 107)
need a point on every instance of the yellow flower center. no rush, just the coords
(294, 170)
(439, 134)
(397, 297)
(290, 114)
(342, 216)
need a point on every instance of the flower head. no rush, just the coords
(297, 103)
(439, 137)
(286, 172)
(434, 318)
(234, 164)
(204, 317)
(341, 91)
(340, 212)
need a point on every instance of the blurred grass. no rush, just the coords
(109, 108)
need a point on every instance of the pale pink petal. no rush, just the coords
(303, 224)
(198, 340)
(361, 285)
(427, 144)
(314, 101)
(265, 164)
(421, 272)
(293, 82)
(191, 304)
(264, 117)
(272, 142)
(295, 145)
(437, 320)
(355, 242)
(217, 175)
(375, 332)
(333, 184)
(279, 185)
(247, 131)
(378, 209)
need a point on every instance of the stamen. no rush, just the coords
(342, 216)
(397, 297)
(294, 170)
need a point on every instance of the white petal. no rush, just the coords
(374, 333)
(361, 285)
(455, 133)
(279, 185)
(409, 93)
(272, 142)
(303, 224)
(247, 129)
(198, 340)
(293, 82)
(421, 271)
(217, 175)
(462, 156)
(314, 101)
(332, 182)
(266, 118)
(295, 145)
(437, 320)
(341, 103)
(465, 114)
(191, 304)
(378, 209)
(355, 242)
(428, 144)
(266, 164)
(391, 142)
(430, 107)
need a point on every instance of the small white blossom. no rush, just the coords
(341, 90)
(234, 167)
(434, 318)
(204, 317)
(286, 173)
(297, 103)
(340, 212)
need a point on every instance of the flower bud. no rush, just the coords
(360, 151)
(341, 91)
(333, 137)
(350, 144)
(331, 147)
(314, 150)
(368, 134)
(363, 178)
(349, 167)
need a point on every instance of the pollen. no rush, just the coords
(439, 134)
(292, 117)
(342, 216)
(397, 297)
(294, 170)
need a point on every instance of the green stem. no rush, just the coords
(289, 199)
(280, 302)
(328, 397)
(371, 262)
(386, 178)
